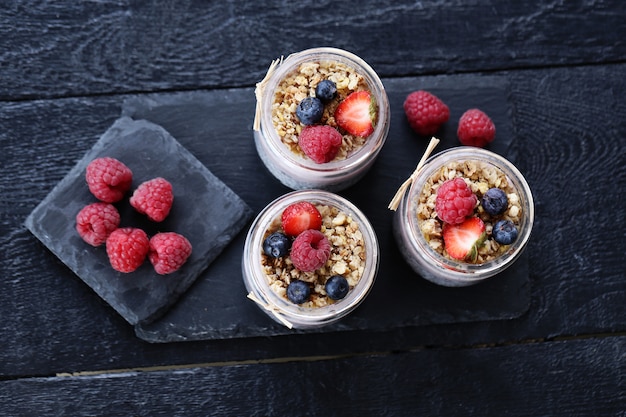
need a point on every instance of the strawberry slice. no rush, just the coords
(462, 240)
(299, 217)
(356, 114)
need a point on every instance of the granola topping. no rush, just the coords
(301, 83)
(480, 177)
(347, 258)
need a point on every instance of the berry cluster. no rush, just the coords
(463, 231)
(300, 238)
(98, 223)
(426, 114)
(355, 115)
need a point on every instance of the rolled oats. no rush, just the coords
(480, 177)
(347, 258)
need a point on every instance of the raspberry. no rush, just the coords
(95, 222)
(425, 112)
(310, 250)
(127, 248)
(168, 252)
(108, 179)
(153, 198)
(320, 143)
(475, 128)
(455, 201)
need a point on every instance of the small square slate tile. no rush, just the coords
(205, 211)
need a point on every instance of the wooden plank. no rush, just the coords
(52, 48)
(568, 127)
(581, 378)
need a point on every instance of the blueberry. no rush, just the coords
(276, 245)
(326, 90)
(337, 287)
(504, 232)
(298, 291)
(495, 201)
(310, 110)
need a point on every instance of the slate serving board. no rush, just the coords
(149, 151)
(217, 127)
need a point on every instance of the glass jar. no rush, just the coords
(431, 264)
(278, 307)
(295, 170)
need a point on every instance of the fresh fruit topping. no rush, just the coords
(310, 250)
(425, 112)
(127, 248)
(153, 198)
(463, 240)
(277, 245)
(299, 217)
(455, 201)
(168, 252)
(337, 287)
(356, 114)
(495, 201)
(476, 128)
(310, 110)
(326, 90)
(95, 222)
(298, 291)
(504, 232)
(108, 179)
(320, 143)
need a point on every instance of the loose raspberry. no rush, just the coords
(455, 201)
(320, 143)
(127, 248)
(425, 112)
(153, 198)
(95, 222)
(168, 252)
(108, 179)
(310, 250)
(476, 128)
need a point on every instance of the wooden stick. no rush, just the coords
(260, 88)
(393, 205)
(271, 309)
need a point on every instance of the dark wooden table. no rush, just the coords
(67, 71)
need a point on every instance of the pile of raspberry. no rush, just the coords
(427, 113)
(127, 248)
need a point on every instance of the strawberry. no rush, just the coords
(356, 114)
(462, 240)
(299, 217)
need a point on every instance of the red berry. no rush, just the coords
(95, 222)
(356, 114)
(153, 198)
(320, 143)
(476, 128)
(299, 217)
(168, 252)
(455, 201)
(108, 179)
(127, 248)
(310, 250)
(463, 240)
(425, 112)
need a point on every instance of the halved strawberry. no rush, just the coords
(356, 114)
(462, 240)
(299, 217)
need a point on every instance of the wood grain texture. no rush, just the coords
(53, 323)
(574, 378)
(51, 48)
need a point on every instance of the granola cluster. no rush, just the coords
(347, 258)
(301, 83)
(480, 177)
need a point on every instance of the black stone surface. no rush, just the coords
(205, 211)
(216, 306)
